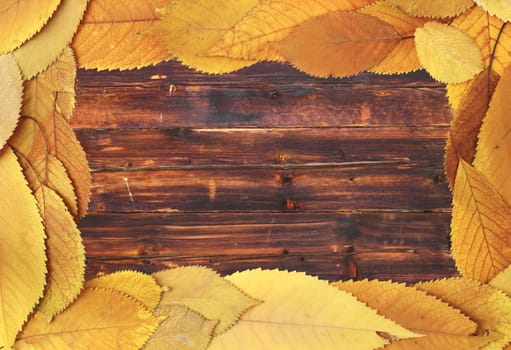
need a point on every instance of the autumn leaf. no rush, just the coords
(443, 326)
(204, 291)
(98, 319)
(113, 35)
(339, 44)
(189, 29)
(254, 35)
(21, 19)
(487, 306)
(11, 95)
(183, 329)
(492, 156)
(503, 281)
(432, 8)
(448, 54)
(137, 285)
(466, 122)
(22, 252)
(302, 312)
(403, 58)
(38, 53)
(499, 8)
(66, 254)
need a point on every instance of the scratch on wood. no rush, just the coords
(129, 191)
(172, 89)
(212, 190)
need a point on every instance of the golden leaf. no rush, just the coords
(339, 44)
(487, 306)
(480, 227)
(485, 30)
(137, 285)
(403, 58)
(183, 329)
(253, 36)
(204, 291)
(503, 281)
(45, 47)
(492, 155)
(11, 95)
(66, 254)
(432, 8)
(21, 19)
(98, 319)
(499, 8)
(113, 35)
(448, 54)
(301, 312)
(189, 29)
(466, 122)
(443, 326)
(22, 252)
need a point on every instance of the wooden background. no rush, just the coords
(266, 167)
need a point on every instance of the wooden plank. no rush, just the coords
(153, 148)
(402, 246)
(265, 95)
(346, 187)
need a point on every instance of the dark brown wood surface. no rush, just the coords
(266, 167)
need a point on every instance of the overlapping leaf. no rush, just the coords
(113, 35)
(432, 8)
(499, 8)
(503, 281)
(302, 312)
(11, 96)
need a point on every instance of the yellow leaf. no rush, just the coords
(466, 122)
(480, 227)
(11, 95)
(44, 48)
(432, 8)
(448, 54)
(339, 44)
(485, 30)
(113, 35)
(183, 329)
(301, 312)
(98, 319)
(204, 291)
(492, 156)
(503, 281)
(499, 8)
(22, 251)
(403, 58)
(21, 19)
(137, 285)
(487, 306)
(189, 29)
(444, 327)
(66, 254)
(253, 36)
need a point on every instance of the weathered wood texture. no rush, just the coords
(341, 178)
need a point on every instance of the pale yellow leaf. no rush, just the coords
(98, 319)
(339, 44)
(499, 8)
(253, 36)
(204, 291)
(113, 35)
(432, 8)
(485, 30)
(448, 54)
(11, 96)
(492, 156)
(302, 312)
(443, 326)
(487, 306)
(188, 29)
(137, 285)
(22, 249)
(66, 254)
(44, 48)
(183, 329)
(21, 19)
(503, 281)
